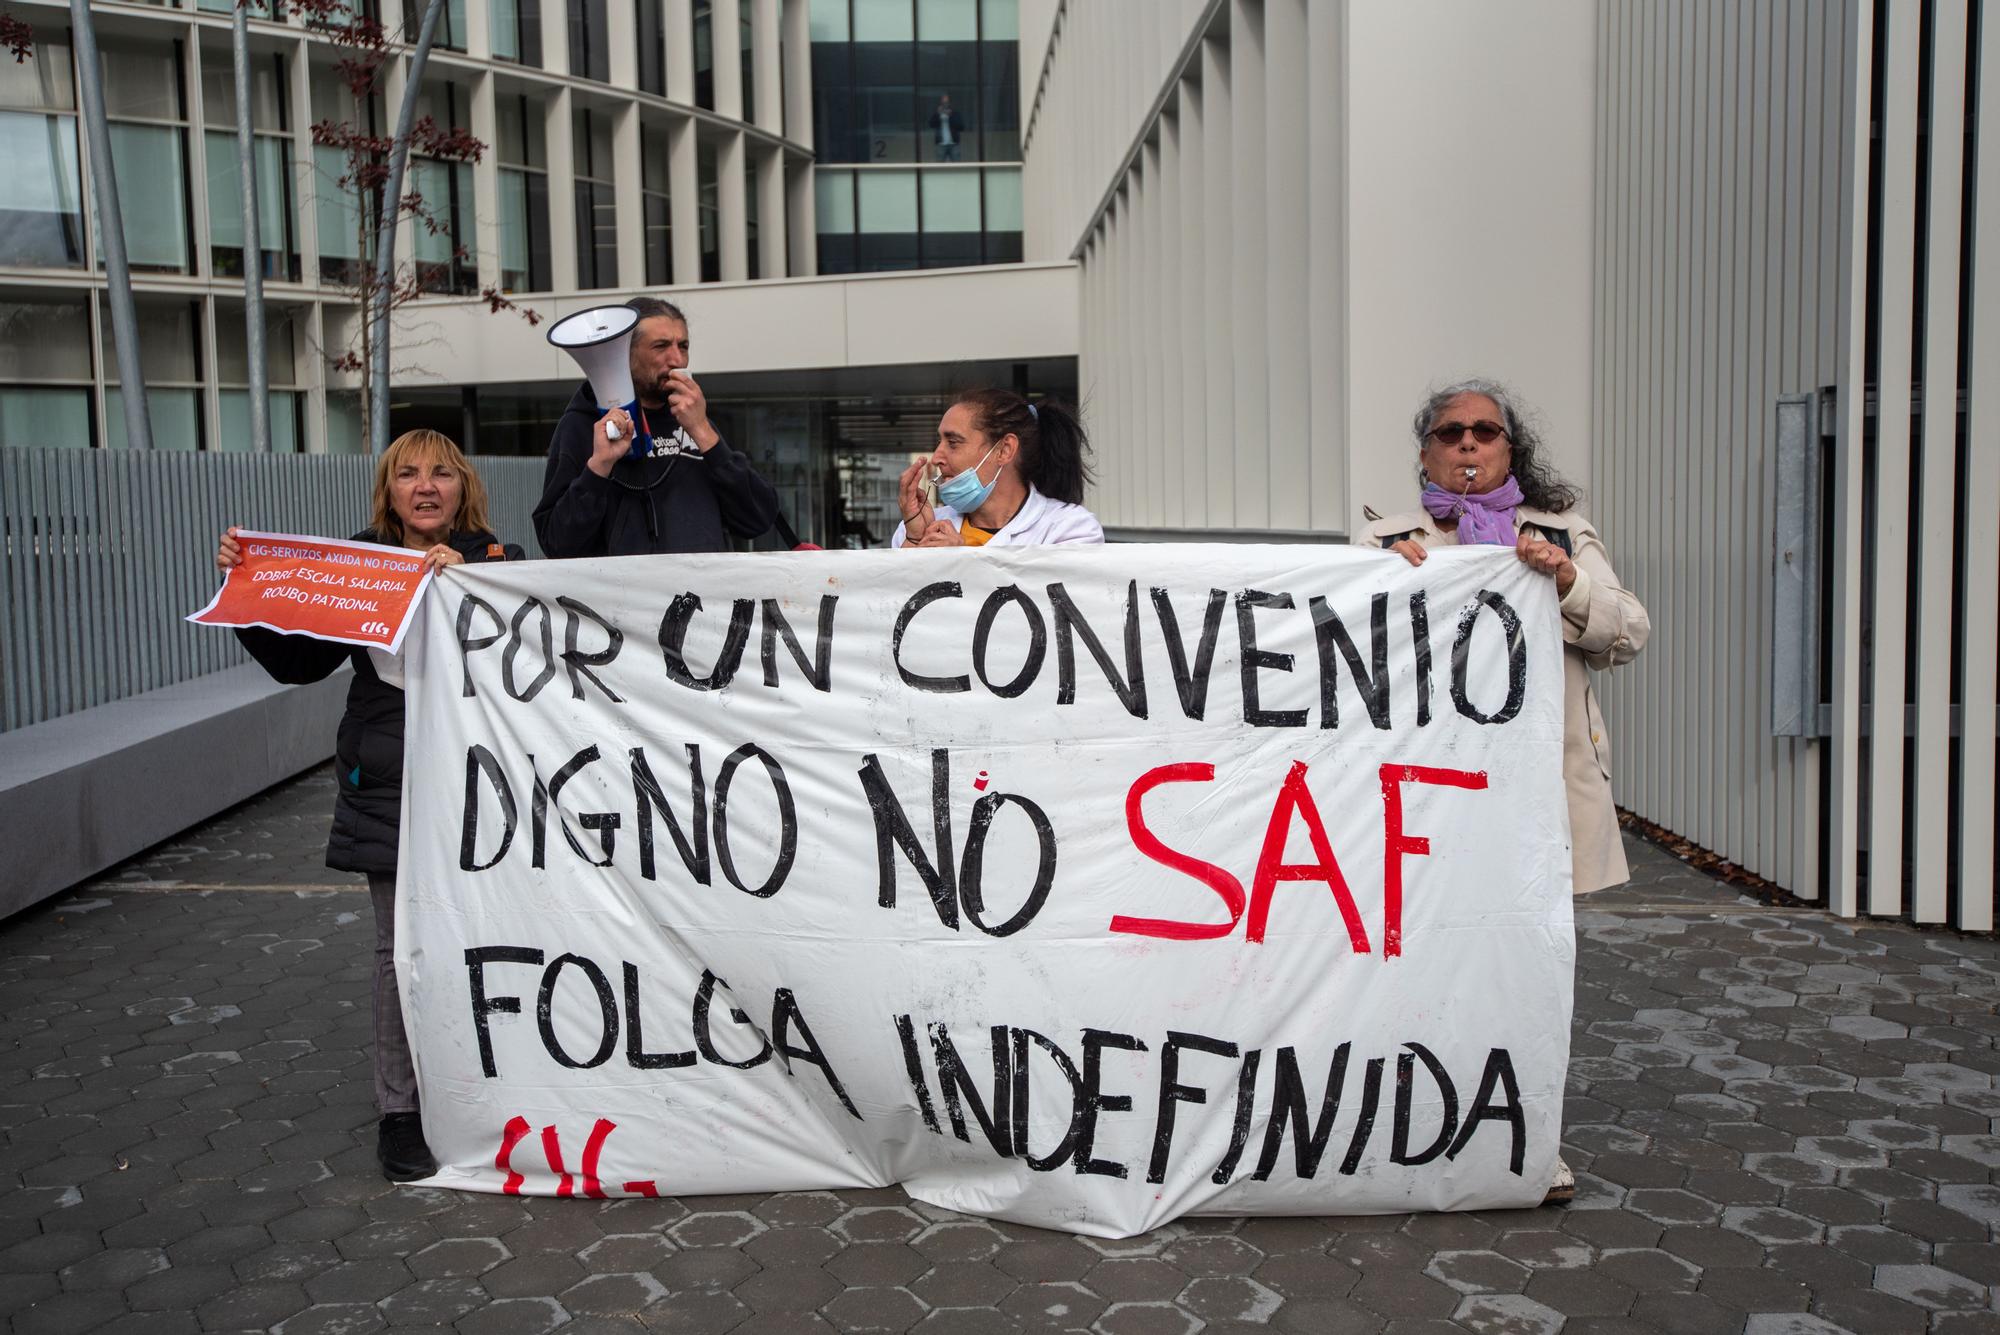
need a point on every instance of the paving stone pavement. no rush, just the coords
(1782, 1124)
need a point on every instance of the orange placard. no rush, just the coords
(328, 588)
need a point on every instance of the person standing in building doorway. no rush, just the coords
(948, 129)
(669, 482)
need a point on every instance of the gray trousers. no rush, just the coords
(395, 1076)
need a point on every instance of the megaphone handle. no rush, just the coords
(611, 431)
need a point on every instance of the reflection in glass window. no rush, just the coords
(40, 83)
(41, 210)
(147, 161)
(173, 412)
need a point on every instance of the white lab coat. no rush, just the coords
(1040, 522)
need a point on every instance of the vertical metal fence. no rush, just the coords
(102, 553)
(1798, 372)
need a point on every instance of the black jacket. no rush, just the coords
(677, 503)
(368, 750)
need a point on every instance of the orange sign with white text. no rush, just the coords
(328, 588)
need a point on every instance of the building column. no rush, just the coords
(772, 223)
(627, 179)
(562, 191)
(797, 42)
(732, 213)
(727, 43)
(684, 198)
(802, 223)
(555, 36)
(478, 34)
(622, 35)
(677, 18)
(486, 178)
(769, 111)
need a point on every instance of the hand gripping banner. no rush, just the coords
(1083, 887)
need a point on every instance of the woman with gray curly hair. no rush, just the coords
(1485, 480)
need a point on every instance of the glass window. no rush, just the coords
(147, 161)
(39, 417)
(218, 91)
(443, 256)
(1000, 20)
(589, 40)
(1003, 199)
(951, 200)
(886, 94)
(888, 201)
(281, 344)
(709, 210)
(40, 83)
(745, 43)
(233, 424)
(883, 21)
(339, 213)
(836, 127)
(173, 413)
(704, 55)
(343, 423)
(752, 260)
(142, 82)
(516, 30)
(829, 20)
(523, 132)
(999, 113)
(45, 340)
(947, 21)
(833, 200)
(524, 231)
(654, 177)
(596, 202)
(169, 340)
(41, 212)
(652, 38)
(274, 214)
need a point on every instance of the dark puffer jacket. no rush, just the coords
(368, 751)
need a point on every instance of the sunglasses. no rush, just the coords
(1453, 432)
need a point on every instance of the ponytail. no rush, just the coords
(1053, 444)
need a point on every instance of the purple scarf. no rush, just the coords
(1486, 517)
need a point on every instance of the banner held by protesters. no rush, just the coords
(1080, 887)
(329, 588)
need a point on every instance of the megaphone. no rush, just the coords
(600, 339)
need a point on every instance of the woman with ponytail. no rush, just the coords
(1011, 475)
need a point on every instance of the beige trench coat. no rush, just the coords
(1603, 626)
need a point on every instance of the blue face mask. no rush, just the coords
(966, 493)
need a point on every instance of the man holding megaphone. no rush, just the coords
(635, 466)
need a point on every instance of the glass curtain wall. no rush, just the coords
(41, 185)
(277, 235)
(522, 156)
(927, 91)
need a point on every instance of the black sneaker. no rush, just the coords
(399, 1144)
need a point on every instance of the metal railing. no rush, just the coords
(102, 553)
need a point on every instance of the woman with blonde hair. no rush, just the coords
(426, 498)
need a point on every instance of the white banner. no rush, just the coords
(1084, 887)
